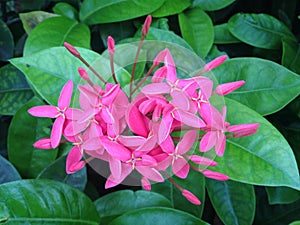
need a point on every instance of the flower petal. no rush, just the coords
(73, 163)
(188, 118)
(181, 168)
(187, 142)
(208, 141)
(180, 100)
(156, 88)
(146, 184)
(150, 173)
(48, 111)
(57, 131)
(44, 143)
(115, 149)
(65, 95)
(220, 144)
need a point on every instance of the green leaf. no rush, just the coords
(107, 11)
(45, 202)
(197, 29)
(291, 56)
(171, 7)
(223, 35)
(31, 19)
(14, 90)
(257, 159)
(54, 32)
(212, 5)
(6, 42)
(166, 36)
(23, 132)
(65, 9)
(57, 171)
(234, 202)
(282, 195)
(50, 69)
(259, 30)
(8, 172)
(295, 223)
(269, 86)
(275, 214)
(195, 183)
(157, 216)
(117, 203)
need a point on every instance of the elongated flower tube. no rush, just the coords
(190, 197)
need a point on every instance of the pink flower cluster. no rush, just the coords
(142, 135)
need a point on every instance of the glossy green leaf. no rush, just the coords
(259, 30)
(23, 132)
(157, 216)
(195, 183)
(291, 56)
(54, 32)
(171, 7)
(117, 203)
(223, 35)
(50, 69)
(257, 159)
(8, 172)
(45, 202)
(6, 42)
(282, 195)
(65, 9)
(197, 29)
(234, 202)
(166, 36)
(212, 5)
(57, 171)
(269, 86)
(275, 214)
(31, 19)
(295, 223)
(106, 11)
(14, 90)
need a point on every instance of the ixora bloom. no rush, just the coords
(150, 134)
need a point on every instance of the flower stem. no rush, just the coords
(113, 68)
(92, 69)
(144, 79)
(134, 64)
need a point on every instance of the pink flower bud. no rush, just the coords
(243, 130)
(202, 160)
(83, 73)
(146, 184)
(216, 62)
(111, 45)
(72, 49)
(214, 175)
(44, 143)
(190, 197)
(225, 89)
(146, 25)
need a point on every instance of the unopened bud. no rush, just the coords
(72, 49)
(44, 143)
(146, 25)
(83, 73)
(225, 89)
(215, 63)
(111, 45)
(190, 197)
(214, 175)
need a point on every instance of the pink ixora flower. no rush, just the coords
(60, 113)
